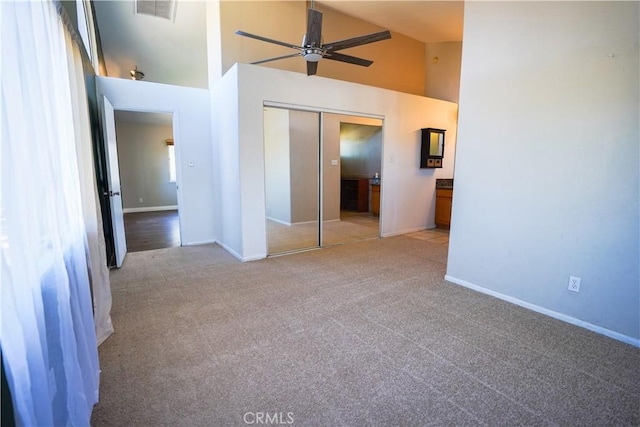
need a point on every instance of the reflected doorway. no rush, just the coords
(146, 158)
(291, 142)
(352, 149)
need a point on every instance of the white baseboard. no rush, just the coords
(556, 315)
(406, 231)
(231, 251)
(151, 209)
(305, 222)
(199, 242)
(288, 224)
(239, 257)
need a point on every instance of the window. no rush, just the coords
(172, 160)
(86, 30)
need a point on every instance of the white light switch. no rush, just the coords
(190, 163)
(334, 163)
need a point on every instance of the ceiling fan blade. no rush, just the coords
(313, 37)
(264, 39)
(312, 68)
(335, 56)
(357, 41)
(276, 58)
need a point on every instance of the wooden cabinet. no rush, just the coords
(443, 207)
(354, 194)
(375, 199)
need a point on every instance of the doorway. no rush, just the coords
(146, 158)
(305, 185)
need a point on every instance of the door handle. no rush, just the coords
(111, 193)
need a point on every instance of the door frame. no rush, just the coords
(102, 174)
(114, 187)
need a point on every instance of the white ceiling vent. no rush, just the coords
(159, 8)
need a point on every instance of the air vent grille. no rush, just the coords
(159, 8)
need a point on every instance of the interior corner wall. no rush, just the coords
(442, 70)
(226, 162)
(192, 136)
(547, 176)
(408, 192)
(144, 165)
(214, 42)
(365, 160)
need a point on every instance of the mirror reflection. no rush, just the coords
(291, 142)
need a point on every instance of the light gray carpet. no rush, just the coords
(361, 334)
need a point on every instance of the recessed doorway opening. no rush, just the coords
(146, 157)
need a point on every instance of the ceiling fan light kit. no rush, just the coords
(313, 50)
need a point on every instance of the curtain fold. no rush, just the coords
(96, 249)
(47, 331)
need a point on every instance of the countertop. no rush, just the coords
(444, 184)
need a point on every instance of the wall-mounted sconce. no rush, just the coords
(136, 74)
(432, 150)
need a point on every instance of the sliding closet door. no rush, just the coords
(291, 142)
(351, 161)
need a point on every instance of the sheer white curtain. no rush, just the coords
(47, 331)
(96, 250)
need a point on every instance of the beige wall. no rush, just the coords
(280, 20)
(304, 135)
(144, 165)
(399, 63)
(442, 70)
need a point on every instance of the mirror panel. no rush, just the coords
(352, 158)
(291, 143)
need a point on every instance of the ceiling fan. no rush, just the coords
(313, 50)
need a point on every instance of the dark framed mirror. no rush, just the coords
(432, 149)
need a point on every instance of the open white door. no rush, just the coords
(117, 216)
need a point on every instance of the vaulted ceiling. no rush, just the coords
(175, 52)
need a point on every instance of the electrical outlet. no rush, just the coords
(574, 283)
(140, 199)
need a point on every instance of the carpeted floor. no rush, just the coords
(361, 334)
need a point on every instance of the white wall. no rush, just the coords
(226, 161)
(144, 165)
(547, 181)
(192, 137)
(442, 70)
(409, 203)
